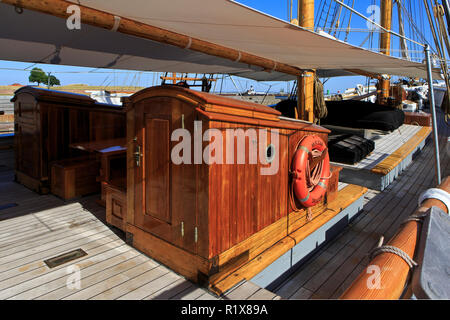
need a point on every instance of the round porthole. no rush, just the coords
(270, 153)
(18, 9)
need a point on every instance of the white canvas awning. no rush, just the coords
(38, 37)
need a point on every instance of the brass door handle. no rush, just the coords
(138, 155)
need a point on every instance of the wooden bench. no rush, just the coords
(116, 205)
(73, 178)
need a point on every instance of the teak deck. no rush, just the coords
(44, 226)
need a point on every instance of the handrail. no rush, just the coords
(386, 274)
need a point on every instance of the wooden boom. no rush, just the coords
(394, 270)
(106, 20)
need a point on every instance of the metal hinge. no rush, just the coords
(182, 229)
(195, 234)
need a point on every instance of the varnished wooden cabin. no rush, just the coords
(201, 220)
(47, 122)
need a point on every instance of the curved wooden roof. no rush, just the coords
(199, 98)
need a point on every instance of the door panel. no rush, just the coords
(157, 168)
(165, 193)
(28, 150)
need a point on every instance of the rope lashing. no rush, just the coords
(415, 217)
(116, 25)
(394, 250)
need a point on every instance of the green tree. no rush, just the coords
(37, 75)
(53, 81)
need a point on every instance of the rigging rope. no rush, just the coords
(349, 22)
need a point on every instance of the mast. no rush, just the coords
(305, 90)
(385, 46)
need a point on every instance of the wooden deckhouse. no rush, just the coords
(47, 122)
(205, 212)
(215, 224)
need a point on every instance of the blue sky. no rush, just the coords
(70, 75)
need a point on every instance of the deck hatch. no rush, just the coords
(64, 258)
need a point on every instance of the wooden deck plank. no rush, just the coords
(207, 296)
(189, 294)
(58, 273)
(103, 288)
(151, 287)
(56, 244)
(262, 294)
(11, 237)
(63, 215)
(100, 272)
(32, 270)
(131, 283)
(171, 290)
(242, 291)
(48, 225)
(89, 236)
(47, 238)
(57, 289)
(301, 294)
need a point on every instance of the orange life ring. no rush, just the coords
(300, 167)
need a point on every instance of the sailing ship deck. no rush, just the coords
(336, 265)
(34, 228)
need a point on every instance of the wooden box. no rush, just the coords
(116, 206)
(199, 218)
(46, 122)
(73, 178)
(418, 118)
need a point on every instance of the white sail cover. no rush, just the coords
(36, 37)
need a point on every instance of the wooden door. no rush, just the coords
(28, 158)
(165, 193)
